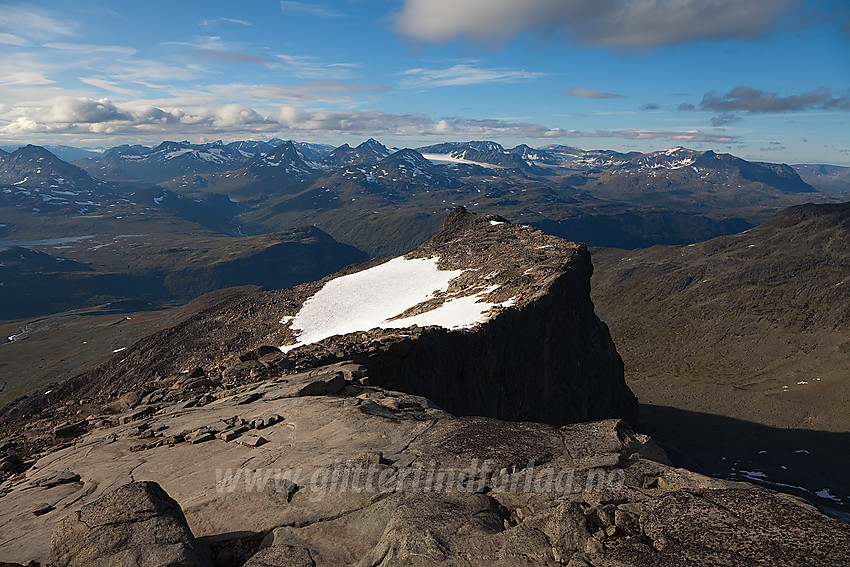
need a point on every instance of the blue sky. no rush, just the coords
(763, 79)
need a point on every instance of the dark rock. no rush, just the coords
(70, 429)
(326, 383)
(197, 373)
(11, 463)
(739, 527)
(136, 525)
(137, 413)
(248, 398)
(200, 437)
(42, 509)
(282, 556)
(242, 370)
(64, 477)
(547, 358)
(266, 350)
(129, 400)
(251, 440)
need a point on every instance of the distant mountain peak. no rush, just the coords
(36, 166)
(374, 145)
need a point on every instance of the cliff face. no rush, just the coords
(487, 318)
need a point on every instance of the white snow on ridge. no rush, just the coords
(826, 494)
(448, 158)
(454, 313)
(373, 297)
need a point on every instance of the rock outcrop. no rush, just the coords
(372, 477)
(486, 318)
(545, 357)
(136, 525)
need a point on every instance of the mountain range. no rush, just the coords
(378, 200)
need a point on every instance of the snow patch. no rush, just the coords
(376, 296)
(826, 494)
(447, 158)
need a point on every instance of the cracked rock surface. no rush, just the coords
(372, 477)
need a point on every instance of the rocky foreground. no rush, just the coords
(259, 434)
(320, 468)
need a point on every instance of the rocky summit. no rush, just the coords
(458, 405)
(486, 318)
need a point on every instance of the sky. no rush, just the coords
(762, 79)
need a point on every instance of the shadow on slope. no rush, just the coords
(810, 464)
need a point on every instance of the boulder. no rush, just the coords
(70, 429)
(137, 525)
(325, 383)
(11, 463)
(281, 556)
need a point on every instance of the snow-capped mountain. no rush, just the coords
(285, 158)
(369, 152)
(311, 151)
(674, 158)
(250, 148)
(166, 161)
(400, 172)
(481, 152)
(717, 168)
(534, 156)
(283, 169)
(34, 166)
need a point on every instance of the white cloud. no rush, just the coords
(312, 91)
(106, 85)
(587, 93)
(90, 49)
(216, 21)
(35, 23)
(305, 67)
(25, 78)
(11, 39)
(150, 73)
(215, 49)
(237, 115)
(632, 24)
(87, 111)
(464, 74)
(165, 118)
(311, 9)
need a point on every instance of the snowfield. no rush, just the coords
(449, 158)
(375, 297)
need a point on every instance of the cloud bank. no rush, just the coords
(464, 74)
(747, 99)
(623, 24)
(743, 99)
(587, 93)
(77, 116)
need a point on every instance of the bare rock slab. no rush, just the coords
(137, 525)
